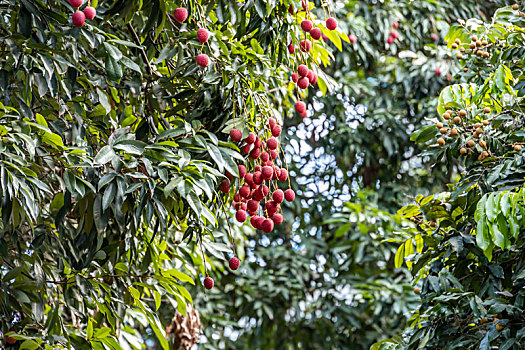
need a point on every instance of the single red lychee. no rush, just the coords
(277, 219)
(202, 35)
(272, 143)
(303, 83)
(394, 34)
(304, 115)
(310, 76)
(267, 225)
(258, 222)
(272, 122)
(203, 60)
(283, 176)
(208, 283)
(300, 107)
(306, 45)
(276, 172)
(90, 12)
(295, 77)
(252, 205)
(352, 38)
(250, 138)
(225, 186)
(434, 37)
(307, 25)
(390, 40)
(246, 148)
(276, 131)
(180, 14)
(76, 3)
(78, 19)
(289, 195)
(249, 178)
(234, 263)
(240, 215)
(255, 153)
(257, 142)
(244, 191)
(313, 80)
(235, 135)
(253, 219)
(265, 156)
(316, 33)
(273, 154)
(242, 171)
(291, 48)
(278, 195)
(257, 178)
(437, 72)
(267, 172)
(265, 190)
(10, 340)
(236, 197)
(302, 70)
(331, 23)
(395, 24)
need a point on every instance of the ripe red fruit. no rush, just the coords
(310, 76)
(316, 33)
(302, 70)
(300, 107)
(267, 172)
(295, 77)
(276, 131)
(437, 72)
(208, 283)
(236, 197)
(253, 220)
(234, 263)
(265, 190)
(394, 34)
(257, 178)
(265, 156)
(248, 178)
(180, 14)
(10, 340)
(331, 23)
(255, 153)
(203, 60)
(225, 186)
(313, 80)
(250, 138)
(306, 45)
(258, 222)
(272, 121)
(291, 48)
(277, 219)
(273, 154)
(390, 40)
(235, 135)
(252, 205)
(244, 191)
(202, 35)
(242, 171)
(267, 225)
(396, 24)
(304, 115)
(257, 143)
(252, 213)
(278, 195)
(303, 83)
(289, 195)
(276, 172)
(246, 149)
(353, 38)
(78, 19)
(240, 215)
(76, 3)
(434, 37)
(90, 12)
(283, 175)
(307, 25)
(272, 143)
(325, 37)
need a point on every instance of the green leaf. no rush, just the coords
(105, 155)
(113, 69)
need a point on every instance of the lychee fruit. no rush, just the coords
(394, 34)
(390, 40)
(352, 38)
(277, 219)
(316, 33)
(303, 83)
(273, 154)
(257, 142)
(180, 14)
(10, 340)
(250, 138)
(434, 37)
(272, 122)
(235, 135)
(202, 35)
(267, 225)
(244, 191)
(78, 19)
(90, 12)
(325, 37)
(240, 215)
(76, 3)
(265, 190)
(289, 195)
(234, 263)
(203, 60)
(242, 171)
(278, 195)
(265, 156)
(258, 222)
(252, 205)
(304, 115)
(249, 178)
(208, 283)
(267, 172)
(255, 153)
(272, 143)
(302, 70)
(246, 149)
(225, 186)
(291, 48)
(295, 77)
(307, 25)
(253, 219)
(300, 107)
(276, 172)
(395, 24)
(331, 23)
(257, 178)
(437, 72)
(283, 175)
(276, 131)
(306, 45)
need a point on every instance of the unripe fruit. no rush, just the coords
(276, 131)
(485, 154)
(202, 35)
(463, 113)
(267, 172)
(267, 225)
(459, 56)
(295, 77)
(250, 138)
(272, 143)
(439, 125)
(208, 283)
(331, 23)
(486, 54)
(479, 53)
(234, 263)
(283, 175)
(291, 48)
(484, 43)
(235, 135)
(302, 70)
(76, 3)
(300, 107)
(517, 148)
(463, 151)
(78, 19)
(225, 186)
(316, 33)
(457, 41)
(482, 144)
(242, 171)
(203, 60)
(303, 83)
(306, 45)
(453, 132)
(485, 122)
(278, 196)
(479, 131)
(446, 116)
(417, 291)
(454, 46)
(486, 110)
(277, 219)
(443, 131)
(515, 6)
(441, 142)
(457, 120)
(180, 14)
(472, 46)
(307, 25)
(240, 215)
(352, 37)
(289, 195)
(90, 12)
(478, 43)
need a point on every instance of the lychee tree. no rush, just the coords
(115, 120)
(464, 247)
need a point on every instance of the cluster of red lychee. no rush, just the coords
(394, 34)
(304, 76)
(181, 14)
(79, 17)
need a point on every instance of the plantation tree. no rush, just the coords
(114, 122)
(464, 247)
